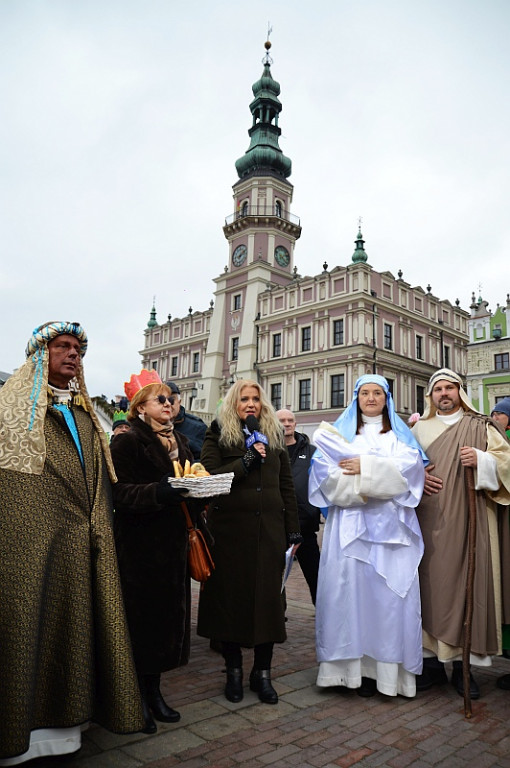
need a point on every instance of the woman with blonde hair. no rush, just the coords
(242, 604)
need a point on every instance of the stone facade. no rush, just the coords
(488, 378)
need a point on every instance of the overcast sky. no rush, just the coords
(122, 120)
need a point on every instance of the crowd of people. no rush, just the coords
(95, 590)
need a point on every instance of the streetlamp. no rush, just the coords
(374, 336)
(441, 338)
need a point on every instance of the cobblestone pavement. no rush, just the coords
(310, 727)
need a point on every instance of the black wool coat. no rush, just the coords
(242, 601)
(309, 516)
(152, 544)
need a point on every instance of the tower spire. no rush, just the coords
(152, 322)
(359, 253)
(264, 154)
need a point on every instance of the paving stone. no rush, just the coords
(305, 697)
(266, 713)
(162, 745)
(379, 758)
(105, 740)
(274, 756)
(216, 727)
(353, 757)
(310, 727)
(114, 758)
(406, 758)
(437, 755)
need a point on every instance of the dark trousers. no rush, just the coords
(262, 655)
(308, 556)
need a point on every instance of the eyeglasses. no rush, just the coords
(163, 398)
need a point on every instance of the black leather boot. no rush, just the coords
(458, 681)
(433, 674)
(150, 726)
(157, 704)
(234, 684)
(367, 688)
(260, 682)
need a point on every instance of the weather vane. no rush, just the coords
(267, 45)
(359, 222)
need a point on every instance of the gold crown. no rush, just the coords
(140, 380)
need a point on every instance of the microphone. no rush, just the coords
(253, 426)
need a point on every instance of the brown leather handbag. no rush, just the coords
(200, 562)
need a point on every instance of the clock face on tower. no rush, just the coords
(239, 255)
(281, 255)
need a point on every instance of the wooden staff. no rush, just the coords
(468, 614)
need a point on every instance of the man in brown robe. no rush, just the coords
(65, 655)
(455, 436)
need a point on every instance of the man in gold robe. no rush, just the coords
(65, 656)
(455, 436)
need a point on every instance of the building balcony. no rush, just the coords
(263, 214)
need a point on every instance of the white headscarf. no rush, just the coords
(445, 374)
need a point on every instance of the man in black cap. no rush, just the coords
(501, 414)
(186, 423)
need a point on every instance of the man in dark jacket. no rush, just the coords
(300, 453)
(186, 424)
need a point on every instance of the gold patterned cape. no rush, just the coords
(65, 654)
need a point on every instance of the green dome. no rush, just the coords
(359, 254)
(266, 87)
(264, 157)
(264, 154)
(152, 322)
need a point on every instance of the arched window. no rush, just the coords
(244, 208)
(278, 209)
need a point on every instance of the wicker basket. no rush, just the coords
(202, 487)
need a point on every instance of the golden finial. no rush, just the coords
(267, 45)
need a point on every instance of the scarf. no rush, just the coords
(165, 435)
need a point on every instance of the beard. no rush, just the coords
(447, 405)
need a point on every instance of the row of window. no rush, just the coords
(174, 363)
(338, 339)
(501, 361)
(337, 388)
(337, 394)
(306, 338)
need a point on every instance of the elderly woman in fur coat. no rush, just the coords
(152, 541)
